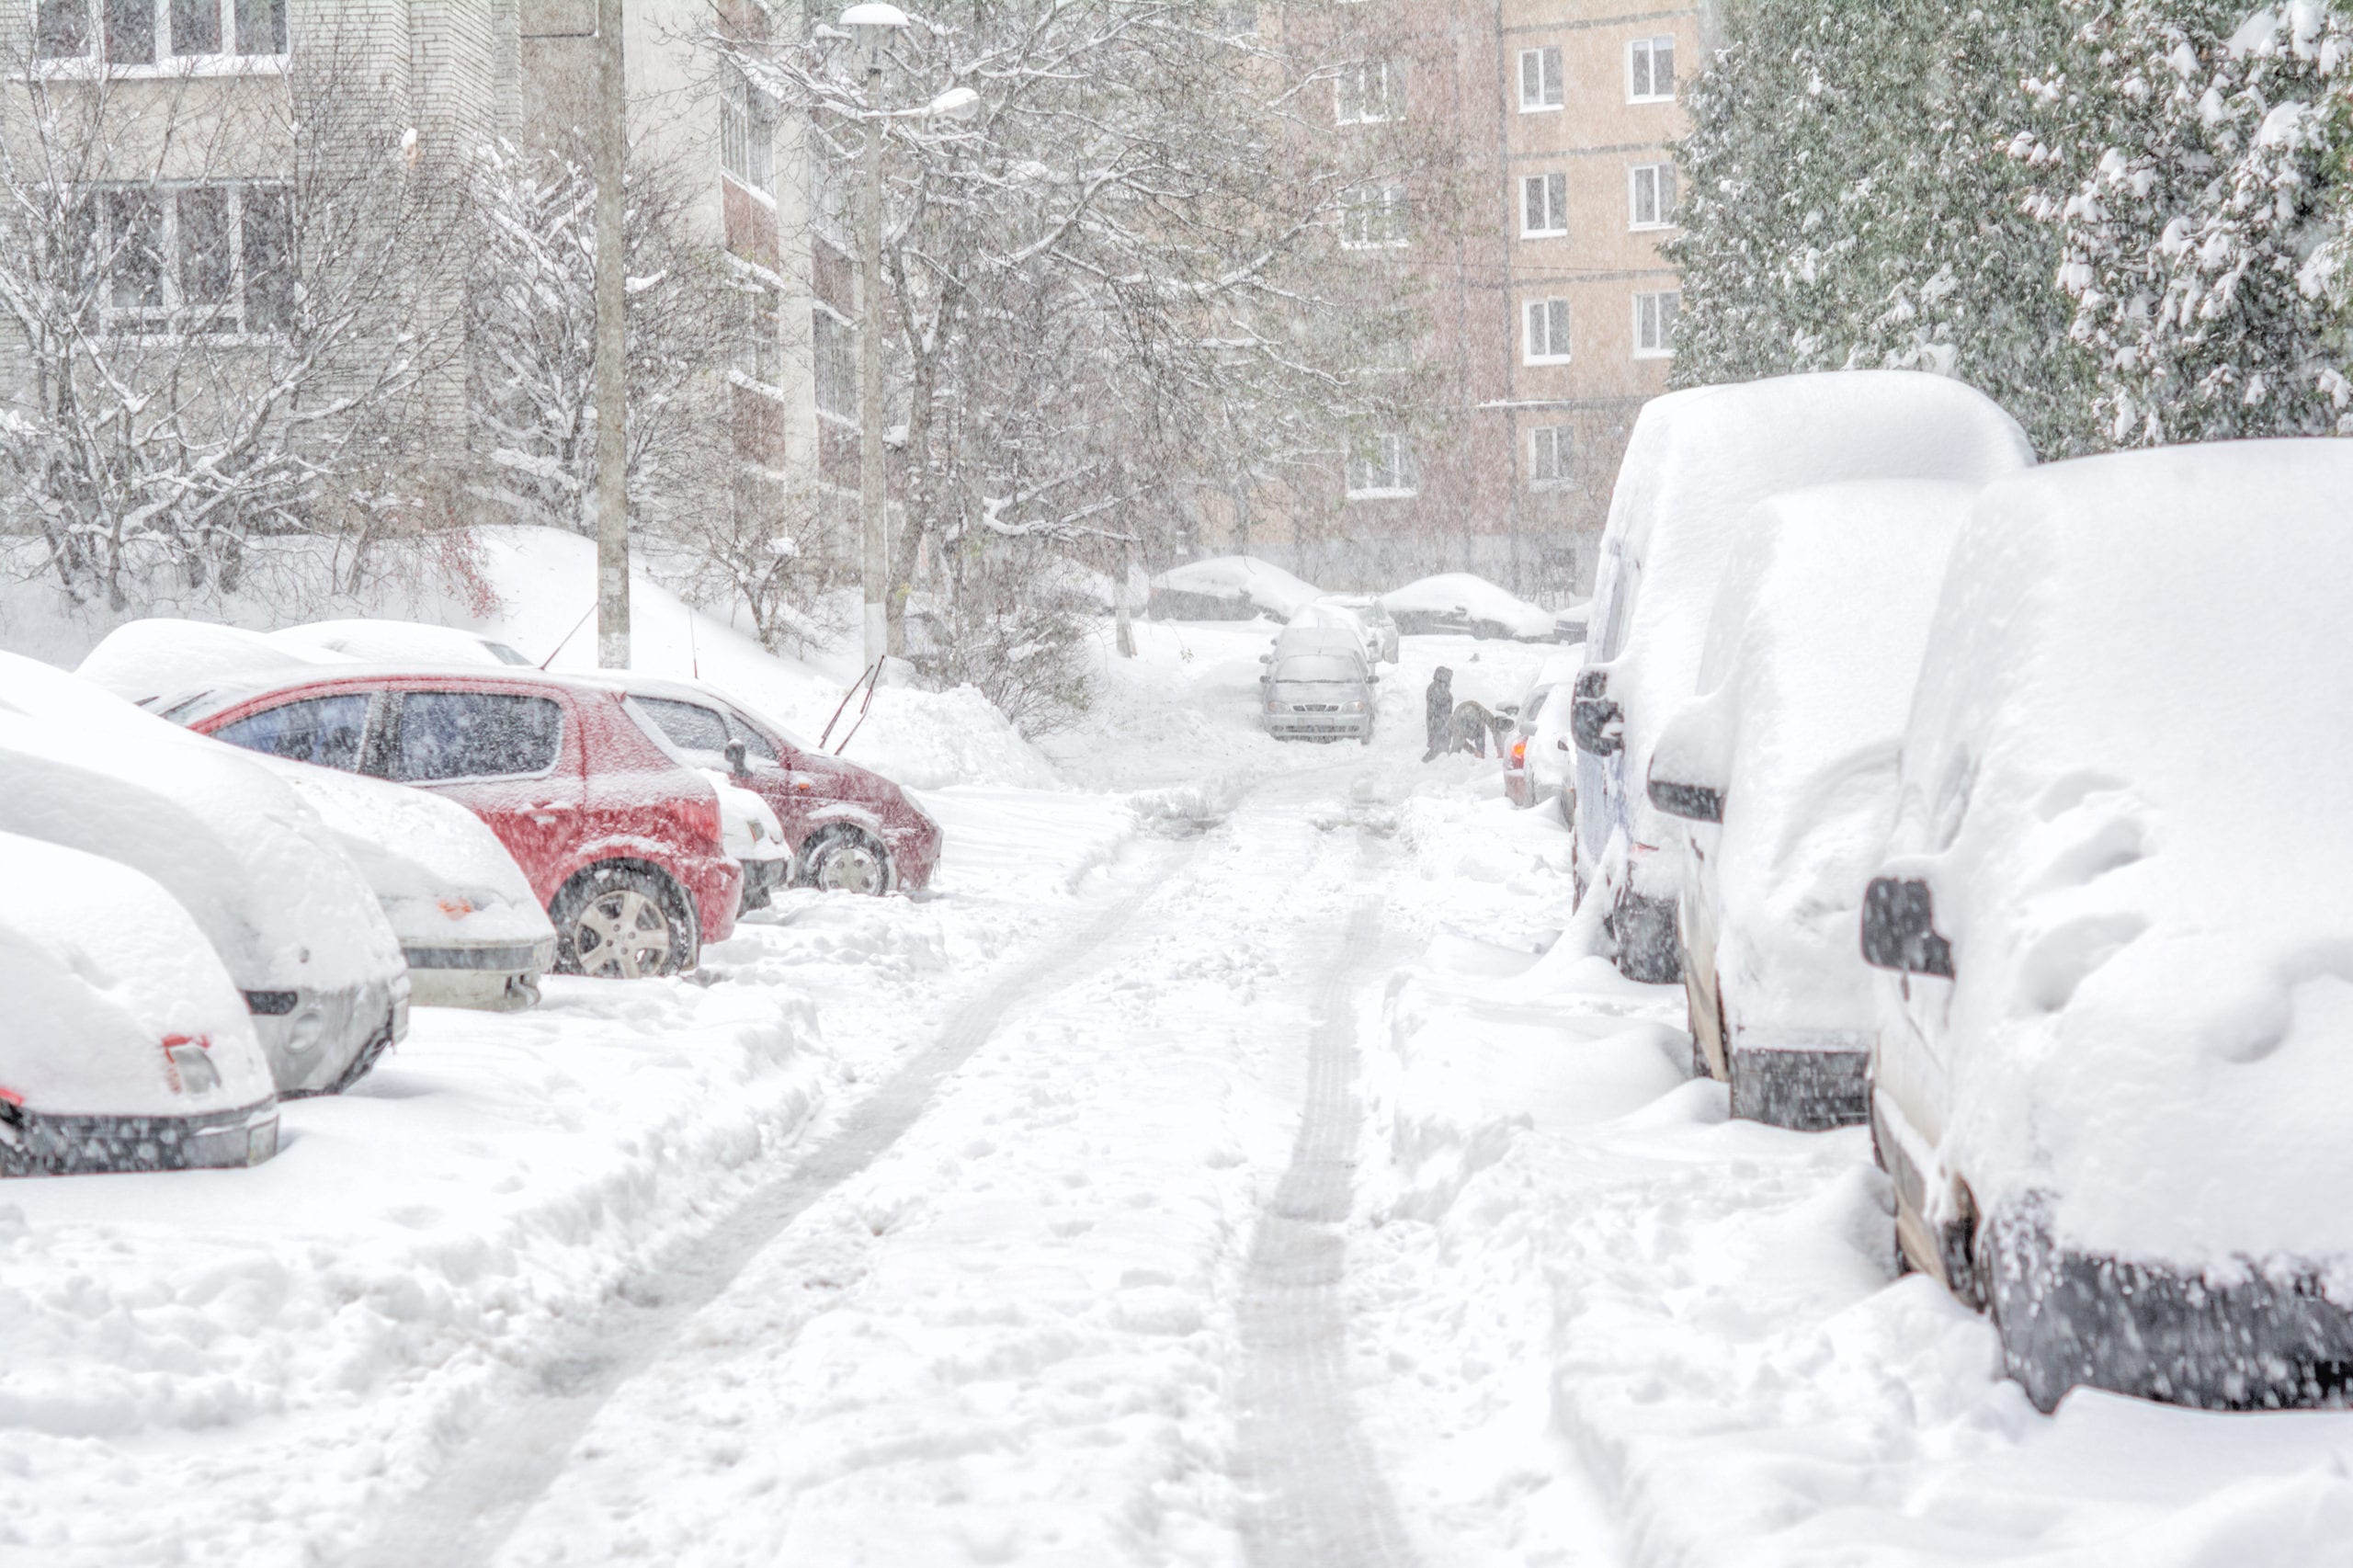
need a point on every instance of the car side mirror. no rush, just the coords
(1692, 803)
(1266, 658)
(1265, 680)
(1899, 928)
(739, 759)
(1596, 723)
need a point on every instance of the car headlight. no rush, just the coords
(1273, 706)
(1355, 708)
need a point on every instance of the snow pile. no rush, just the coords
(1806, 682)
(1229, 586)
(105, 975)
(2131, 852)
(1463, 601)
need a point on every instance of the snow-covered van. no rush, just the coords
(1784, 771)
(288, 914)
(1698, 460)
(2115, 1041)
(126, 1046)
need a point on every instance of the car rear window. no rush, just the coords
(321, 730)
(474, 734)
(690, 726)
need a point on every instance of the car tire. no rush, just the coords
(845, 859)
(617, 920)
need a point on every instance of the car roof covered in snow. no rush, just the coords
(161, 655)
(2124, 779)
(1239, 577)
(1476, 596)
(385, 640)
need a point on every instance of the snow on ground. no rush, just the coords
(1217, 1168)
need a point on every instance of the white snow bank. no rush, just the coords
(1474, 602)
(115, 1004)
(1241, 579)
(2119, 781)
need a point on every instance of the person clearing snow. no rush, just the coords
(1437, 708)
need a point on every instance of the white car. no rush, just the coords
(2112, 1061)
(1228, 588)
(1697, 461)
(1783, 769)
(143, 661)
(471, 929)
(1465, 602)
(1361, 617)
(754, 837)
(126, 1046)
(288, 914)
(1537, 756)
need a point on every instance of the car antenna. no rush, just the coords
(568, 636)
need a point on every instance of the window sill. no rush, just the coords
(1653, 352)
(1543, 234)
(1649, 228)
(1542, 108)
(1539, 359)
(766, 199)
(753, 385)
(87, 70)
(1382, 495)
(1652, 98)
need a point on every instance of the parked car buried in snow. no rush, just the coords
(1537, 753)
(1228, 588)
(1462, 602)
(1320, 693)
(1784, 771)
(127, 1047)
(284, 907)
(1698, 460)
(848, 828)
(1380, 627)
(622, 844)
(2112, 1068)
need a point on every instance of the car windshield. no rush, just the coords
(1319, 670)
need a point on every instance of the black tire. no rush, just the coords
(620, 920)
(843, 859)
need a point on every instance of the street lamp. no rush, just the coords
(873, 26)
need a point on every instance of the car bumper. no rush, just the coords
(762, 878)
(915, 855)
(321, 1043)
(2268, 1341)
(34, 1144)
(1318, 726)
(495, 976)
(1519, 788)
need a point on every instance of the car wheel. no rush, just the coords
(623, 921)
(844, 859)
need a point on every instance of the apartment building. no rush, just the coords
(1588, 111)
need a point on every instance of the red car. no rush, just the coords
(621, 841)
(851, 831)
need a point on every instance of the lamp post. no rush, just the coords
(872, 27)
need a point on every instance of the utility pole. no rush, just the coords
(874, 495)
(612, 345)
(1120, 617)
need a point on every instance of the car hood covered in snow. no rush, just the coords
(117, 1005)
(1806, 682)
(2122, 781)
(264, 880)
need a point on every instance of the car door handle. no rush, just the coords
(545, 811)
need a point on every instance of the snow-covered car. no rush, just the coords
(1380, 627)
(1320, 694)
(141, 661)
(749, 827)
(1572, 624)
(1783, 772)
(1697, 461)
(290, 917)
(1464, 602)
(1228, 588)
(469, 928)
(1324, 622)
(847, 828)
(2112, 1068)
(377, 641)
(1536, 757)
(126, 1046)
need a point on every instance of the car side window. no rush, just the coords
(689, 725)
(321, 730)
(474, 734)
(755, 743)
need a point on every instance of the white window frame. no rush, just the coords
(747, 136)
(1551, 456)
(171, 319)
(1365, 93)
(1383, 470)
(833, 364)
(1651, 184)
(1554, 187)
(1372, 217)
(1549, 96)
(1544, 331)
(1654, 316)
(1641, 69)
(168, 61)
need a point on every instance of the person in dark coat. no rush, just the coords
(1437, 709)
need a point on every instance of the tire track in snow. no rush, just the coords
(1312, 1493)
(481, 1491)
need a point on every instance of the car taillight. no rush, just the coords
(700, 815)
(1519, 754)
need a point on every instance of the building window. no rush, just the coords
(1364, 93)
(198, 260)
(752, 346)
(1539, 79)
(1547, 332)
(1372, 216)
(1650, 70)
(1384, 466)
(747, 134)
(153, 32)
(1654, 324)
(1543, 205)
(1650, 195)
(1548, 458)
(833, 352)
